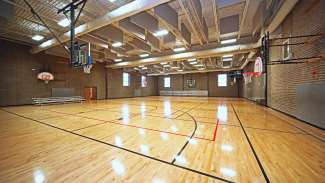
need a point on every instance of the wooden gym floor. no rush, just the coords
(159, 140)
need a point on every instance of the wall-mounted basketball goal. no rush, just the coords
(80, 56)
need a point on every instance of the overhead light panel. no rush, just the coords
(118, 60)
(226, 56)
(179, 49)
(166, 65)
(191, 60)
(180, 70)
(117, 44)
(228, 41)
(227, 59)
(160, 33)
(64, 22)
(199, 65)
(38, 38)
(163, 63)
(144, 55)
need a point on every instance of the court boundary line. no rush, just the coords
(188, 140)
(114, 121)
(125, 149)
(252, 148)
(286, 121)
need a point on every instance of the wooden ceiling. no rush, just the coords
(201, 21)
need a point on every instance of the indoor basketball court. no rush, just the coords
(162, 91)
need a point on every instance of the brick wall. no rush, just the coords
(19, 69)
(203, 81)
(283, 80)
(115, 88)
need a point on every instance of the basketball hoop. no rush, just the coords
(45, 76)
(247, 78)
(87, 68)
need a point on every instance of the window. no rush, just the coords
(126, 79)
(143, 81)
(222, 80)
(286, 50)
(167, 82)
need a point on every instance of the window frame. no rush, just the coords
(219, 84)
(286, 49)
(144, 81)
(165, 82)
(128, 79)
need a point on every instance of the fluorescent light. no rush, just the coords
(228, 41)
(193, 63)
(226, 56)
(112, 1)
(163, 63)
(180, 70)
(174, 67)
(201, 68)
(38, 37)
(144, 55)
(141, 66)
(179, 49)
(162, 32)
(198, 65)
(118, 60)
(117, 44)
(144, 68)
(166, 65)
(191, 60)
(47, 43)
(64, 22)
(227, 59)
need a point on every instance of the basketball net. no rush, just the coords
(87, 68)
(247, 78)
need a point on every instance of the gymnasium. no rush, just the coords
(162, 91)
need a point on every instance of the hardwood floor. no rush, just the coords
(158, 140)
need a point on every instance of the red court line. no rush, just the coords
(215, 131)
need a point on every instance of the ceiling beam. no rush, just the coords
(188, 18)
(216, 18)
(243, 18)
(120, 13)
(235, 49)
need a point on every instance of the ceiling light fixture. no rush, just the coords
(144, 55)
(118, 60)
(174, 67)
(198, 65)
(226, 56)
(193, 63)
(38, 38)
(179, 49)
(117, 44)
(228, 41)
(64, 22)
(160, 33)
(227, 59)
(180, 70)
(163, 63)
(191, 60)
(166, 65)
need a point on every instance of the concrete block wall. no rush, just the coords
(203, 81)
(283, 80)
(19, 69)
(115, 88)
